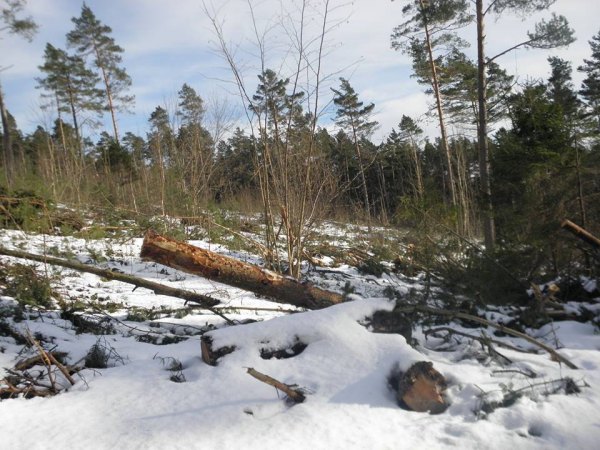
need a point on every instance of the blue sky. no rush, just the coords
(169, 43)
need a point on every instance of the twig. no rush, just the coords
(49, 359)
(294, 394)
(529, 374)
(460, 315)
(483, 340)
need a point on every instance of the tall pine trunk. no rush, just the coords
(489, 229)
(438, 101)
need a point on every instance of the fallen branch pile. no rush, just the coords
(24, 381)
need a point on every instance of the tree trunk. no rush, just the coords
(213, 266)
(363, 179)
(438, 101)
(109, 95)
(489, 228)
(6, 143)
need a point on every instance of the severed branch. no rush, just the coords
(460, 315)
(35, 360)
(49, 360)
(296, 395)
(484, 340)
(581, 233)
(204, 301)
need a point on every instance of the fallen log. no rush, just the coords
(581, 233)
(188, 258)
(160, 289)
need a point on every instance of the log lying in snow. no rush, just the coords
(197, 261)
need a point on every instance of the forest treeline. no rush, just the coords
(511, 187)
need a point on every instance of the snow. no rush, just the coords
(344, 369)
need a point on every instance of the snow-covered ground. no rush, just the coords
(344, 369)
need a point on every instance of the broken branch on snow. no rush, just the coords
(293, 394)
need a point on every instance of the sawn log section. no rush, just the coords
(198, 261)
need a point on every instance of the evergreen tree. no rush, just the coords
(533, 168)
(92, 39)
(235, 164)
(560, 86)
(194, 158)
(547, 34)
(590, 89)
(14, 23)
(458, 85)
(274, 106)
(70, 84)
(191, 106)
(354, 116)
(422, 35)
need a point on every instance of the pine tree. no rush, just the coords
(552, 33)
(354, 117)
(191, 106)
(590, 89)
(70, 84)
(92, 39)
(12, 22)
(194, 158)
(422, 36)
(560, 86)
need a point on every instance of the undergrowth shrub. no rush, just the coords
(27, 286)
(102, 355)
(24, 210)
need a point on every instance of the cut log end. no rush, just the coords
(422, 388)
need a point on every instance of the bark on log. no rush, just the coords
(197, 261)
(581, 233)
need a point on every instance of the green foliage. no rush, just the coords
(590, 89)
(91, 38)
(552, 33)
(24, 210)
(14, 23)
(372, 266)
(70, 84)
(27, 286)
(352, 115)
(97, 357)
(137, 314)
